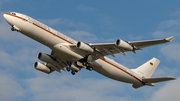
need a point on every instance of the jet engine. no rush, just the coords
(84, 47)
(42, 67)
(123, 44)
(75, 67)
(45, 58)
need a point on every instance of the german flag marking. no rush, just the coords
(151, 63)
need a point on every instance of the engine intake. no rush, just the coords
(84, 47)
(41, 67)
(123, 44)
(45, 58)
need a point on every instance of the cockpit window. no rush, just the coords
(13, 13)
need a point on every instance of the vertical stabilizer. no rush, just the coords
(147, 69)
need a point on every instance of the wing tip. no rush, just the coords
(170, 38)
(171, 78)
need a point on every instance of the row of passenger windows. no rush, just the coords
(31, 20)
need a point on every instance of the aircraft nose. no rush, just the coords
(7, 18)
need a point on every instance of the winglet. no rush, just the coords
(170, 38)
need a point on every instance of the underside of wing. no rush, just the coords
(121, 46)
(142, 44)
(59, 63)
(52, 63)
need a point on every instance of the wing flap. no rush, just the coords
(59, 63)
(155, 80)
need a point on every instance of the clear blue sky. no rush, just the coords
(93, 21)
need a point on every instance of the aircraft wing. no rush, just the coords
(113, 48)
(96, 51)
(59, 65)
(142, 44)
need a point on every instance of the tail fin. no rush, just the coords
(147, 69)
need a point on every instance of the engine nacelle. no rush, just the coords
(84, 47)
(41, 67)
(74, 67)
(45, 58)
(123, 44)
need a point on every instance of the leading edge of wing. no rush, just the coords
(137, 43)
(146, 43)
(169, 39)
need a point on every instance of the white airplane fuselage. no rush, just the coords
(55, 41)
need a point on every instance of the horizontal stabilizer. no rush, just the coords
(159, 79)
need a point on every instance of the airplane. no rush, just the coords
(74, 55)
